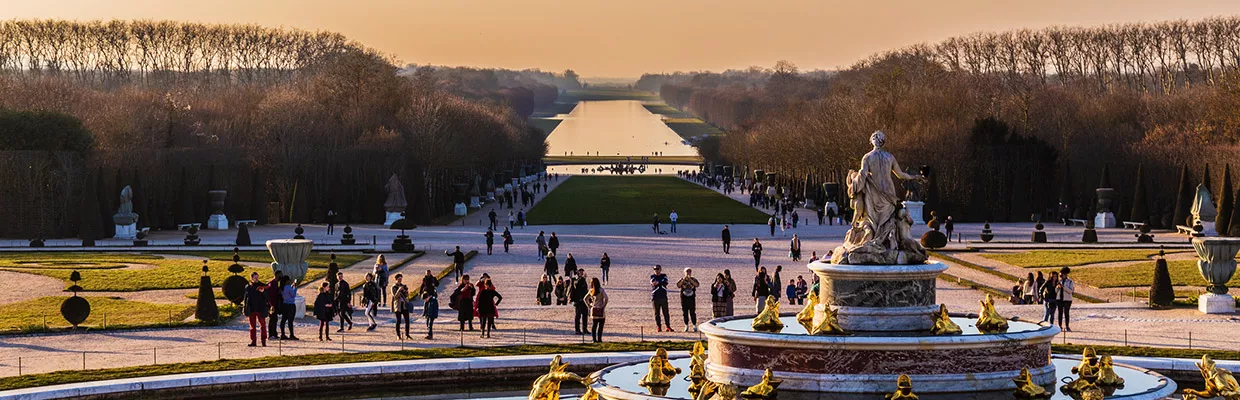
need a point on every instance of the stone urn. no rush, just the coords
(217, 220)
(1217, 263)
(290, 256)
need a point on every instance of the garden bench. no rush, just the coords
(246, 222)
(1080, 222)
(1185, 229)
(185, 227)
(1133, 225)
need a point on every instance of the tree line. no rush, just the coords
(1011, 123)
(304, 136)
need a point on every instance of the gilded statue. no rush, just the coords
(1106, 373)
(874, 237)
(547, 387)
(768, 319)
(1085, 386)
(806, 316)
(697, 367)
(716, 391)
(590, 394)
(660, 371)
(943, 324)
(989, 320)
(904, 389)
(1026, 389)
(830, 324)
(764, 389)
(1219, 381)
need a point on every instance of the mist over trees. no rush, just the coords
(1163, 95)
(291, 123)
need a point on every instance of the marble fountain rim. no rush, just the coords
(859, 342)
(883, 383)
(927, 270)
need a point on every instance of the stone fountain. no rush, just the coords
(1217, 263)
(290, 259)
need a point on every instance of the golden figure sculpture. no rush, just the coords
(943, 324)
(660, 373)
(1219, 382)
(590, 394)
(806, 316)
(1026, 389)
(764, 389)
(989, 320)
(697, 367)
(904, 389)
(1190, 397)
(1106, 373)
(547, 387)
(830, 324)
(1085, 386)
(768, 319)
(716, 391)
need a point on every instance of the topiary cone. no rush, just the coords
(1161, 292)
(206, 310)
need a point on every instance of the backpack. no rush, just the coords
(452, 300)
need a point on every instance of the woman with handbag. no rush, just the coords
(400, 305)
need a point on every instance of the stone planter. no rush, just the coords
(1217, 263)
(290, 256)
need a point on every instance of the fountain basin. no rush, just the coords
(868, 362)
(880, 297)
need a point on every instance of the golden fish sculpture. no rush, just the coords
(547, 386)
(830, 324)
(768, 319)
(697, 367)
(989, 320)
(1219, 382)
(904, 389)
(806, 316)
(765, 389)
(1026, 389)
(943, 324)
(1106, 373)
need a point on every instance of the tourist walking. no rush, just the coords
(276, 300)
(672, 218)
(761, 289)
(570, 265)
(370, 299)
(542, 245)
(771, 224)
(458, 261)
(490, 236)
(544, 290)
(554, 243)
(794, 248)
(578, 291)
(324, 311)
(951, 226)
(257, 309)
(331, 222)
(507, 237)
(487, 306)
(1029, 289)
(462, 301)
(730, 305)
(775, 282)
(400, 306)
(604, 264)
(288, 309)
(726, 236)
(596, 300)
(655, 226)
(561, 291)
(1065, 290)
(757, 253)
(492, 217)
(1049, 288)
(688, 299)
(381, 276)
(719, 295)
(485, 279)
(430, 284)
(521, 215)
(430, 311)
(1040, 281)
(658, 296)
(550, 265)
(344, 302)
(802, 290)
(512, 220)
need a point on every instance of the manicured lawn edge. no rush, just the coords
(65, 377)
(1010, 277)
(227, 312)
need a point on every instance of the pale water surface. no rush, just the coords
(614, 127)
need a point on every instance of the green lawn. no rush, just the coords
(1068, 258)
(691, 127)
(635, 199)
(669, 111)
(545, 124)
(316, 259)
(29, 315)
(599, 94)
(1183, 273)
(108, 273)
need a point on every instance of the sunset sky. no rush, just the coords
(625, 38)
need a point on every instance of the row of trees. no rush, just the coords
(325, 135)
(1000, 140)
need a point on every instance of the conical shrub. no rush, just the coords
(206, 311)
(1222, 221)
(1161, 293)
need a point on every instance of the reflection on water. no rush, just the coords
(612, 128)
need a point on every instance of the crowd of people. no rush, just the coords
(1054, 293)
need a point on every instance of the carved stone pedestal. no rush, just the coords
(1211, 303)
(1105, 220)
(129, 231)
(915, 210)
(880, 297)
(391, 217)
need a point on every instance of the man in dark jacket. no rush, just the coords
(581, 315)
(458, 261)
(344, 302)
(761, 289)
(658, 296)
(554, 243)
(430, 284)
(757, 253)
(274, 300)
(257, 309)
(726, 236)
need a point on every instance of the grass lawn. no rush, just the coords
(316, 259)
(108, 273)
(1068, 258)
(1183, 273)
(635, 199)
(64, 377)
(664, 109)
(545, 124)
(691, 127)
(29, 315)
(598, 94)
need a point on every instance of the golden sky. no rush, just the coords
(625, 38)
